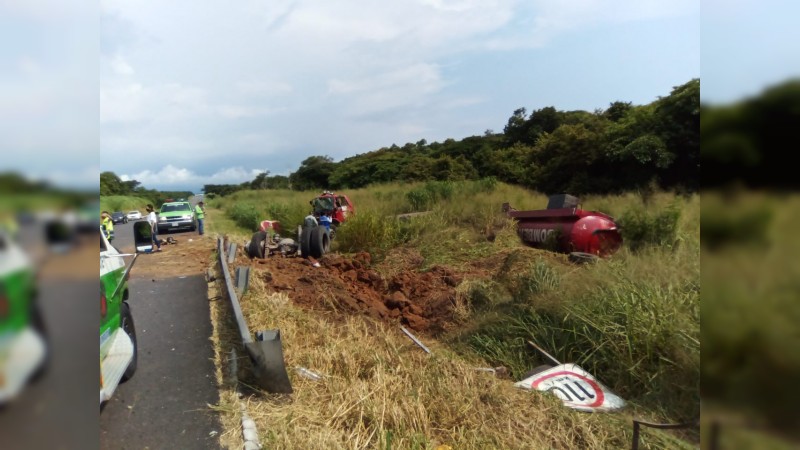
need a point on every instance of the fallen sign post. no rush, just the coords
(576, 388)
(414, 338)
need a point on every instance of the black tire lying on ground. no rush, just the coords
(582, 258)
(256, 247)
(320, 242)
(305, 241)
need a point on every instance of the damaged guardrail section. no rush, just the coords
(265, 350)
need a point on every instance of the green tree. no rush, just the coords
(617, 110)
(678, 125)
(563, 161)
(110, 184)
(260, 181)
(313, 173)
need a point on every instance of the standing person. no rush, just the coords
(108, 225)
(153, 221)
(200, 211)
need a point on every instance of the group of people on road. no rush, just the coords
(107, 224)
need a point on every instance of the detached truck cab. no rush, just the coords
(118, 347)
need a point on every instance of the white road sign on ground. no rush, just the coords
(577, 388)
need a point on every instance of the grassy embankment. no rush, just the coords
(633, 321)
(751, 287)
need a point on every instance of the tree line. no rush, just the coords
(746, 142)
(623, 147)
(111, 184)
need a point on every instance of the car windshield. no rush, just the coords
(175, 207)
(117, 214)
(133, 212)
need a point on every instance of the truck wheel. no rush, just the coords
(582, 257)
(256, 247)
(305, 241)
(320, 242)
(126, 323)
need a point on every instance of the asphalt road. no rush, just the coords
(165, 404)
(59, 410)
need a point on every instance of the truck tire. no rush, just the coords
(305, 241)
(320, 242)
(126, 323)
(256, 247)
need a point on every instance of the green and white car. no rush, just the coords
(23, 345)
(118, 348)
(176, 216)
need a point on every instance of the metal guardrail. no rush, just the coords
(265, 350)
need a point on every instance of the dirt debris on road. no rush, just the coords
(191, 255)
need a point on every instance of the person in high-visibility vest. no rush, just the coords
(108, 225)
(200, 212)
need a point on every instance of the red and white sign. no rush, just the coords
(575, 387)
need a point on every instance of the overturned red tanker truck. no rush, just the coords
(564, 227)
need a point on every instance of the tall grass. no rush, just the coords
(634, 321)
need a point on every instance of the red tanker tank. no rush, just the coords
(565, 228)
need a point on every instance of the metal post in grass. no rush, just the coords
(637, 424)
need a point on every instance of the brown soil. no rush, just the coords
(420, 300)
(190, 256)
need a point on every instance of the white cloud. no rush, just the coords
(132, 102)
(245, 111)
(409, 85)
(120, 66)
(170, 175)
(264, 88)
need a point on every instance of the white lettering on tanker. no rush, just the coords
(538, 235)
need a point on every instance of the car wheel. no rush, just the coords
(126, 323)
(320, 242)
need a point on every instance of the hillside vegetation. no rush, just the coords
(632, 320)
(124, 203)
(622, 148)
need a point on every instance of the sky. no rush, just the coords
(216, 91)
(182, 93)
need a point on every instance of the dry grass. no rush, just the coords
(381, 391)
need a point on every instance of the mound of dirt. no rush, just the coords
(422, 301)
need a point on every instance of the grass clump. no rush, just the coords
(641, 228)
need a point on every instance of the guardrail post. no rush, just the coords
(231, 252)
(242, 279)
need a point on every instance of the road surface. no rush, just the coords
(165, 404)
